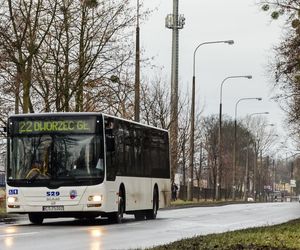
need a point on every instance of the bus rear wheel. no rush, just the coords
(36, 219)
(151, 214)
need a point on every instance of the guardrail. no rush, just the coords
(291, 198)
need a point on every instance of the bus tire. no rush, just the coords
(117, 217)
(152, 213)
(36, 219)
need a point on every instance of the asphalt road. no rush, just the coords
(171, 225)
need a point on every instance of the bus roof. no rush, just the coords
(80, 114)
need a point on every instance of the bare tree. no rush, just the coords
(60, 55)
(264, 138)
(210, 135)
(183, 150)
(263, 132)
(285, 68)
(89, 43)
(23, 29)
(155, 106)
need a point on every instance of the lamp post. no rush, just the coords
(273, 170)
(246, 181)
(256, 146)
(235, 141)
(219, 165)
(192, 147)
(274, 176)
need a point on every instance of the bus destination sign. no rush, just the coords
(54, 126)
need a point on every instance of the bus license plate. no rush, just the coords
(53, 208)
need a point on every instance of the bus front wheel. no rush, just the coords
(36, 219)
(117, 217)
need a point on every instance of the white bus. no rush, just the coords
(85, 165)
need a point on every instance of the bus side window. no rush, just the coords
(110, 140)
(120, 149)
(111, 166)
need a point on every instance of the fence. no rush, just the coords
(205, 193)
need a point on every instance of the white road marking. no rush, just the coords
(16, 234)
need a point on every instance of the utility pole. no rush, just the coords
(175, 22)
(200, 170)
(246, 179)
(260, 175)
(137, 67)
(292, 178)
(274, 176)
(183, 168)
(183, 134)
(256, 148)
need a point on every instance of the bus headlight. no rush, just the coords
(12, 199)
(95, 198)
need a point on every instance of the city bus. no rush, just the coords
(85, 165)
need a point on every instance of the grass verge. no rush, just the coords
(284, 236)
(181, 203)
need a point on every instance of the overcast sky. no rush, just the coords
(241, 20)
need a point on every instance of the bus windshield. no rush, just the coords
(55, 159)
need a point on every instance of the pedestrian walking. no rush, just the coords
(174, 191)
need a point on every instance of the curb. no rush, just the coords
(10, 219)
(205, 205)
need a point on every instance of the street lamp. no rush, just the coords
(219, 165)
(259, 113)
(273, 167)
(192, 147)
(235, 140)
(255, 162)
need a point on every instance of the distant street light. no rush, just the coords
(219, 165)
(235, 141)
(273, 166)
(192, 146)
(255, 162)
(259, 113)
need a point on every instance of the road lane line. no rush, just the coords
(16, 234)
